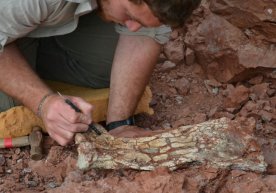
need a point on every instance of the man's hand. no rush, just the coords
(62, 121)
(132, 131)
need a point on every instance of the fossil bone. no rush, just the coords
(220, 143)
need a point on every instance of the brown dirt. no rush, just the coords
(182, 95)
(234, 42)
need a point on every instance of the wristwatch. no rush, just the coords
(115, 124)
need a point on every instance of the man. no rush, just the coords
(73, 58)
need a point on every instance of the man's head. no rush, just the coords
(135, 14)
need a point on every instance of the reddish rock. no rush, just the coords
(172, 90)
(230, 110)
(167, 65)
(212, 86)
(199, 118)
(189, 56)
(237, 97)
(197, 69)
(250, 106)
(267, 116)
(182, 86)
(271, 92)
(272, 75)
(223, 114)
(182, 121)
(54, 155)
(212, 112)
(260, 90)
(256, 80)
(237, 173)
(2, 160)
(270, 129)
(162, 58)
(213, 83)
(261, 104)
(229, 88)
(174, 35)
(225, 46)
(273, 102)
(249, 183)
(174, 50)
(256, 16)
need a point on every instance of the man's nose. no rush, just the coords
(133, 25)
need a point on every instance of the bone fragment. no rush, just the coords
(220, 143)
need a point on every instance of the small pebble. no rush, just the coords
(215, 90)
(167, 65)
(27, 170)
(32, 183)
(19, 160)
(52, 185)
(166, 125)
(17, 151)
(2, 160)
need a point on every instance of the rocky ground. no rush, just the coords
(182, 95)
(201, 75)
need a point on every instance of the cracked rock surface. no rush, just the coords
(220, 143)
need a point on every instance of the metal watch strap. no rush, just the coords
(115, 124)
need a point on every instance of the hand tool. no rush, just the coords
(69, 102)
(34, 140)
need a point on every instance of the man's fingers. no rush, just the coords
(62, 121)
(77, 127)
(83, 118)
(85, 107)
(82, 104)
(73, 117)
(64, 133)
(62, 136)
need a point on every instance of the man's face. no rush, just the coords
(128, 14)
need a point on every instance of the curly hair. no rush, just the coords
(171, 12)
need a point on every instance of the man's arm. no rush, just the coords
(133, 65)
(19, 81)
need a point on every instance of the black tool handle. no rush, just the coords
(91, 126)
(73, 105)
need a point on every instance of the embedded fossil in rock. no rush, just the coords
(220, 143)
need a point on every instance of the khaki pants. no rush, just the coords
(83, 57)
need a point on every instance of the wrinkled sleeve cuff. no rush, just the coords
(3, 41)
(159, 34)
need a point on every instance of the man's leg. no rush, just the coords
(83, 57)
